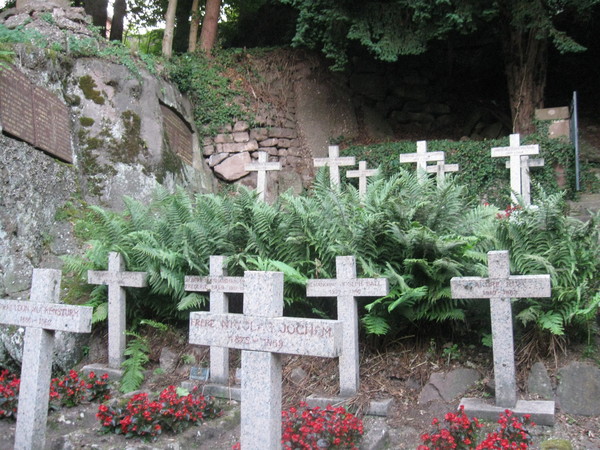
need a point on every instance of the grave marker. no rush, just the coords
(41, 316)
(179, 133)
(116, 279)
(334, 162)
(526, 163)
(516, 152)
(362, 173)
(263, 335)
(422, 157)
(500, 287)
(346, 288)
(218, 284)
(440, 169)
(262, 166)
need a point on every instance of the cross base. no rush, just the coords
(101, 369)
(379, 407)
(541, 411)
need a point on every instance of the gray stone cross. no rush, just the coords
(262, 166)
(334, 162)
(346, 288)
(116, 279)
(263, 335)
(41, 316)
(362, 173)
(440, 169)
(218, 284)
(500, 288)
(422, 157)
(516, 152)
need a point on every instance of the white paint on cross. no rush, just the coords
(263, 335)
(262, 166)
(116, 279)
(362, 173)
(334, 162)
(500, 287)
(441, 168)
(516, 152)
(218, 284)
(41, 316)
(526, 163)
(422, 157)
(346, 288)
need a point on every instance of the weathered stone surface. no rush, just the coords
(447, 386)
(233, 168)
(286, 133)
(259, 134)
(217, 158)
(578, 389)
(539, 383)
(238, 147)
(223, 138)
(241, 125)
(168, 359)
(271, 142)
(241, 136)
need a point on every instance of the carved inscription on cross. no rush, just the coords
(116, 279)
(346, 288)
(263, 335)
(41, 317)
(422, 157)
(516, 152)
(262, 166)
(334, 162)
(500, 287)
(218, 284)
(362, 173)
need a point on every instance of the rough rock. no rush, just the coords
(233, 168)
(446, 386)
(578, 389)
(168, 359)
(539, 383)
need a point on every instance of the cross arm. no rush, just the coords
(358, 287)
(515, 286)
(49, 316)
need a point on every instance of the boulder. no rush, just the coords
(539, 383)
(446, 386)
(578, 389)
(234, 167)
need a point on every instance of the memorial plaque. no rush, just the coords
(16, 110)
(34, 114)
(179, 134)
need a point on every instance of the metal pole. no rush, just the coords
(575, 138)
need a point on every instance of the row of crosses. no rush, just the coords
(519, 164)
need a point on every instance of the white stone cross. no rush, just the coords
(262, 166)
(362, 173)
(526, 163)
(440, 169)
(218, 285)
(516, 152)
(41, 316)
(334, 162)
(263, 335)
(117, 280)
(500, 287)
(346, 288)
(422, 157)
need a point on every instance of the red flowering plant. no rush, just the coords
(73, 388)
(311, 428)
(460, 432)
(9, 394)
(173, 410)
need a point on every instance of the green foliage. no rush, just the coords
(133, 367)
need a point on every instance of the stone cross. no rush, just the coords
(440, 169)
(219, 285)
(516, 152)
(422, 157)
(117, 280)
(41, 316)
(262, 166)
(500, 287)
(263, 335)
(334, 162)
(362, 173)
(526, 163)
(346, 288)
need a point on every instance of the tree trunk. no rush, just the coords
(167, 44)
(194, 28)
(182, 26)
(97, 9)
(208, 34)
(116, 27)
(526, 66)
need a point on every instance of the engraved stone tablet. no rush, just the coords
(179, 134)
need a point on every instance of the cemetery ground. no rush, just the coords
(400, 372)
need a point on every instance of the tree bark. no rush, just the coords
(208, 34)
(526, 67)
(97, 9)
(194, 28)
(167, 44)
(116, 27)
